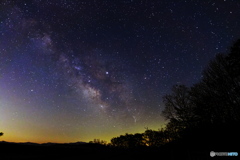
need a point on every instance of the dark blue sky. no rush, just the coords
(99, 68)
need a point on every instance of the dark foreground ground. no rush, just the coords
(32, 151)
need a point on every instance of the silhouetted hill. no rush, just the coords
(80, 150)
(10, 150)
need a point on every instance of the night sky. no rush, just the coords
(74, 70)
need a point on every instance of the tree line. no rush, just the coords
(207, 111)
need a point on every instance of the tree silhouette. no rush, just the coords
(149, 138)
(98, 141)
(214, 100)
(155, 138)
(211, 107)
(217, 96)
(128, 141)
(179, 108)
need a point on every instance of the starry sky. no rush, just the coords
(75, 70)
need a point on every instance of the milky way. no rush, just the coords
(78, 70)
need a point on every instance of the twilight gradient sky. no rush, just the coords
(75, 70)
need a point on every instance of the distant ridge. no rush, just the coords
(44, 144)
